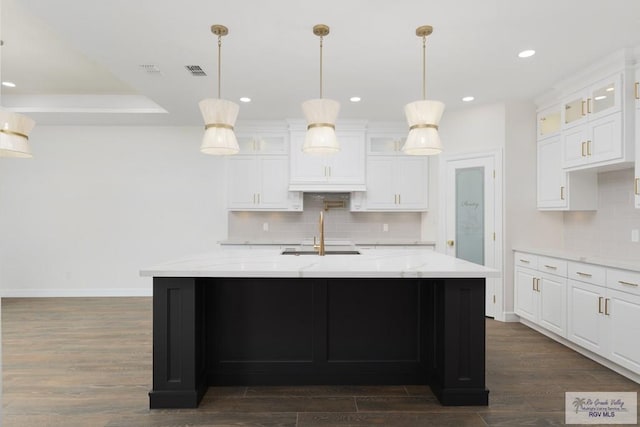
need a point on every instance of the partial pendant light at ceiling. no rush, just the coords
(321, 114)
(423, 116)
(14, 134)
(219, 114)
(14, 131)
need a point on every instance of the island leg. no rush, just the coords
(459, 338)
(179, 343)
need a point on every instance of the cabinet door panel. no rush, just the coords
(381, 187)
(306, 168)
(574, 146)
(552, 190)
(243, 181)
(553, 303)
(606, 139)
(412, 182)
(624, 329)
(347, 166)
(525, 295)
(585, 321)
(275, 182)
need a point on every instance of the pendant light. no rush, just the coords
(321, 114)
(423, 116)
(14, 134)
(219, 114)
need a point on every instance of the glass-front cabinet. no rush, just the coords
(549, 121)
(600, 99)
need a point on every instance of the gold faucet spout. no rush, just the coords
(320, 246)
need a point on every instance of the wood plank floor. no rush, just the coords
(87, 362)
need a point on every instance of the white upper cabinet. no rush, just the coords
(549, 120)
(636, 178)
(395, 181)
(598, 100)
(342, 171)
(596, 123)
(258, 177)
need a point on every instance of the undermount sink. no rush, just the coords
(326, 252)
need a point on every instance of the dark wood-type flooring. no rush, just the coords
(87, 362)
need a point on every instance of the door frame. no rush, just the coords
(497, 157)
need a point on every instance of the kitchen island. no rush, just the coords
(257, 317)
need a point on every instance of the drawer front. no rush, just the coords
(552, 266)
(525, 260)
(588, 273)
(623, 280)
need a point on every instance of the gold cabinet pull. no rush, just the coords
(637, 187)
(582, 148)
(538, 284)
(637, 90)
(526, 261)
(606, 306)
(600, 304)
(579, 273)
(395, 199)
(450, 242)
(533, 283)
(588, 105)
(258, 198)
(553, 267)
(622, 282)
(588, 147)
(399, 199)
(561, 193)
(583, 105)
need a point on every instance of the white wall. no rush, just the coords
(524, 225)
(96, 204)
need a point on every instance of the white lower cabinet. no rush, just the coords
(540, 294)
(593, 306)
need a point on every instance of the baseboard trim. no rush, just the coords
(97, 292)
(583, 351)
(511, 317)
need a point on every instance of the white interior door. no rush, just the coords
(470, 206)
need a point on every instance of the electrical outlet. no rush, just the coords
(385, 227)
(265, 226)
(635, 235)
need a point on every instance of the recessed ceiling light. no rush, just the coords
(468, 98)
(527, 53)
(355, 99)
(245, 99)
(9, 84)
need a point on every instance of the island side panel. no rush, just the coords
(459, 339)
(179, 342)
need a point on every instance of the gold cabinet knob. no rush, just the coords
(450, 242)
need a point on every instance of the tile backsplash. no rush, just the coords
(606, 232)
(340, 223)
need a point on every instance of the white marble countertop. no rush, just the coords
(630, 264)
(365, 242)
(269, 262)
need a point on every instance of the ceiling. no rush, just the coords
(78, 61)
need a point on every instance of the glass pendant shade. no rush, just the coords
(423, 118)
(14, 134)
(219, 117)
(321, 115)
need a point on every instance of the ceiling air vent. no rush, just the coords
(195, 70)
(150, 69)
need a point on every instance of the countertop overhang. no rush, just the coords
(268, 262)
